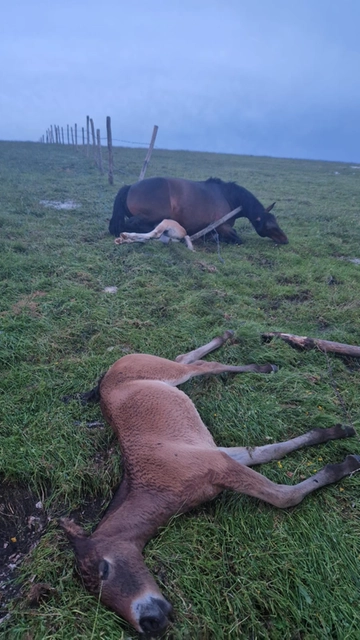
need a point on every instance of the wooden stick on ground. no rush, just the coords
(215, 224)
(311, 343)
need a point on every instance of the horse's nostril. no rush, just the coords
(153, 623)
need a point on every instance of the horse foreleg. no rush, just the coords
(228, 234)
(247, 481)
(250, 456)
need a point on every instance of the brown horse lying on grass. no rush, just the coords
(194, 205)
(171, 464)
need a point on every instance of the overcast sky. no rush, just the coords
(260, 77)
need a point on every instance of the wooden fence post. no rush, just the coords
(87, 135)
(83, 136)
(93, 138)
(100, 164)
(148, 155)
(109, 142)
(75, 134)
(68, 133)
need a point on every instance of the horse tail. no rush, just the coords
(93, 395)
(120, 211)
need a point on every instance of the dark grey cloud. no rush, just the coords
(255, 77)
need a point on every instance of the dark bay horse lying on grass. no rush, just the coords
(171, 464)
(140, 207)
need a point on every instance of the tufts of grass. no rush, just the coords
(234, 567)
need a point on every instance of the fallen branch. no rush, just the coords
(215, 224)
(311, 343)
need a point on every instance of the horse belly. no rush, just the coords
(197, 206)
(151, 203)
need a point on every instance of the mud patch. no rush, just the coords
(22, 522)
(27, 303)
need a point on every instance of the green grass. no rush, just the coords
(235, 567)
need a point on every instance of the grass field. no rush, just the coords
(234, 568)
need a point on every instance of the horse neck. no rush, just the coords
(135, 518)
(236, 195)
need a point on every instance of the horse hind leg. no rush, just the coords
(250, 456)
(202, 367)
(174, 231)
(197, 354)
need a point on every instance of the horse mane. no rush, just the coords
(236, 195)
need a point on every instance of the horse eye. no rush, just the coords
(104, 569)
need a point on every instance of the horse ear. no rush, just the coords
(72, 530)
(268, 209)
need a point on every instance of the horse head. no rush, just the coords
(115, 572)
(267, 227)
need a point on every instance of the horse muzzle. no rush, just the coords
(279, 237)
(154, 617)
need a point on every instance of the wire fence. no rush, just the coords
(91, 142)
(145, 144)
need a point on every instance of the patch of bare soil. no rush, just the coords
(27, 304)
(22, 522)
